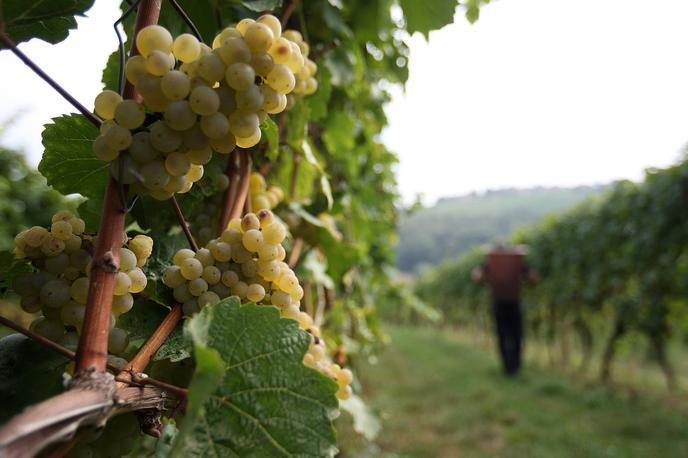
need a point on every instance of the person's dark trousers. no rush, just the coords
(509, 325)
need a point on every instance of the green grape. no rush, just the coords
(31, 304)
(228, 32)
(272, 22)
(211, 68)
(181, 255)
(227, 103)
(240, 289)
(252, 239)
(36, 236)
(205, 257)
(79, 259)
(102, 149)
(208, 298)
(135, 69)
(215, 126)
(127, 260)
(52, 246)
(221, 290)
(249, 221)
(50, 329)
(267, 252)
(163, 138)
(280, 299)
(190, 307)
(195, 173)
(122, 284)
(70, 340)
(311, 86)
(288, 283)
(243, 124)
(172, 277)
(195, 138)
(240, 254)
(204, 101)
(221, 251)
(251, 140)
(280, 51)
(274, 233)
(179, 115)
(138, 280)
(255, 292)
(177, 164)
(118, 138)
(271, 99)
(240, 76)
(141, 149)
(153, 37)
(56, 265)
(242, 25)
(293, 35)
(122, 304)
(186, 47)
(191, 268)
(106, 102)
(250, 99)
(222, 182)
(269, 270)
(61, 230)
(175, 85)
(200, 156)
(181, 294)
(281, 79)
(55, 293)
(262, 63)
(149, 87)
(157, 63)
(258, 37)
(197, 286)
(211, 274)
(296, 61)
(130, 114)
(266, 217)
(305, 48)
(118, 341)
(154, 175)
(249, 268)
(229, 278)
(224, 145)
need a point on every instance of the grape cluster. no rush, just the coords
(247, 261)
(215, 100)
(262, 197)
(116, 439)
(59, 288)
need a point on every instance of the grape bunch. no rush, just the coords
(247, 261)
(214, 100)
(262, 197)
(59, 288)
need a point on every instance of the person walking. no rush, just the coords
(504, 271)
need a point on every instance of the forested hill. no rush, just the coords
(454, 225)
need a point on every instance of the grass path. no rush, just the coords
(439, 396)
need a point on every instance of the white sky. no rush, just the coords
(537, 92)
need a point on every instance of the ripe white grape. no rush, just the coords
(233, 50)
(172, 277)
(240, 76)
(118, 340)
(272, 22)
(138, 280)
(230, 278)
(50, 329)
(122, 283)
(118, 138)
(204, 101)
(274, 233)
(215, 126)
(280, 299)
(135, 68)
(154, 175)
(293, 35)
(194, 138)
(127, 259)
(243, 124)
(211, 68)
(179, 115)
(224, 145)
(280, 51)
(262, 63)
(55, 293)
(227, 103)
(153, 37)
(208, 298)
(205, 256)
(243, 25)
(251, 140)
(61, 230)
(222, 251)
(200, 156)
(163, 138)
(157, 63)
(191, 268)
(175, 85)
(250, 99)
(195, 173)
(197, 286)
(106, 102)
(281, 79)
(177, 164)
(255, 292)
(182, 294)
(122, 304)
(211, 274)
(141, 149)
(186, 47)
(258, 37)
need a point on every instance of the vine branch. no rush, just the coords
(183, 223)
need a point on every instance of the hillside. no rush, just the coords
(454, 225)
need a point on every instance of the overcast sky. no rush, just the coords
(538, 92)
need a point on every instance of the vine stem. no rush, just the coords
(183, 223)
(93, 343)
(288, 11)
(67, 353)
(295, 254)
(244, 175)
(231, 192)
(9, 44)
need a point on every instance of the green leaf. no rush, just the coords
(423, 16)
(365, 422)
(111, 70)
(164, 248)
(270, 133)
(29, 373)
(163, 446)
(68, 162)
(327, 190)
(261, 5)
(48, 20)
(318, 102)
(268, 403)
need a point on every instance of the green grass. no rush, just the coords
(438, 395)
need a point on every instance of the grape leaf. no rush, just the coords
(111, 70)
(48, 20)
(423, 16)
(318, 101)
(365, 422)
(29, 373)
(261, 5)
(164, 248)
(267, 403)
(9, 268)
(271, 134)
(68, 162)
